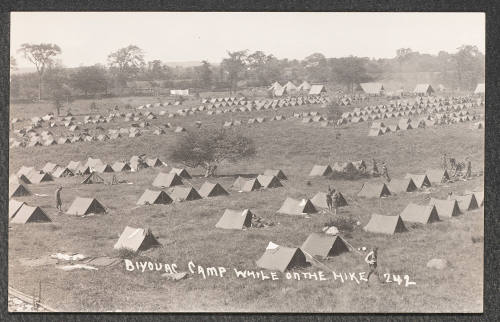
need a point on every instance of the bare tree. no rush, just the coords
(42, 56)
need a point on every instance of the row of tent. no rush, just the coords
(231, 123)
(319, 170)
(436, 210)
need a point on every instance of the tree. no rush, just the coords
(204, 74)
(57, 87)
(126, 62)
(235, 66)
(210, 147)
(350, 71)
(316, 67)
(42, 56)
(90, 79)
(13, 64)
(469, 66)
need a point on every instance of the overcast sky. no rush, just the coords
(87, 38)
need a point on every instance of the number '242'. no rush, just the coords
(397, 279)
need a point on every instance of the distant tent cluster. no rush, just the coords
(290, 89)
(319, 170)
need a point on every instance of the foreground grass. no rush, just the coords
(187, 230)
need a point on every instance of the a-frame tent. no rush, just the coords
(246, 184)
(29, 214)
(385, 224)
(136, 239)
(235, 219)
(420, 180)
(374, 190)
(93, 178)
(167, 180)
(320, 170)
(437, 175)
(62, 172)
(280, 258)
(419, 214)
(297, 207)
(402, 185)
(319, 200)
(14, 207)
(323, 245)
(37, 177)
(120, 166)
(85, 206)
(184, 194)
(181, 172)
(209, 189)
(466, 202)
(18, 190)
(152, 197)
(269, 181)
(275, 172)
(445, 208)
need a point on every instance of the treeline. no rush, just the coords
(126, 72)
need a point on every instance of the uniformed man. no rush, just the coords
(58, 199)
(371, 260)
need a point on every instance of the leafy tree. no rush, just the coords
(126, 62)
(210, 147)
(469, 66)
(316, 67)
(42, 56)
(57, 87)
(350, 71)
(90, 79)
(235, 67)
(204, 74)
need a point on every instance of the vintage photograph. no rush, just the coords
(319, 162)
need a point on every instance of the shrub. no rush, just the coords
(343, 223)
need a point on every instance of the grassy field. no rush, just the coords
(187, 230)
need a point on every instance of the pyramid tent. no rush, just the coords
(49, 167)
(103, 168)
(466, 202)
(437, 175)
(275, 172)
(323, 245)
(445, 208)
(209, 189)
(18, 190)
(136, 239)
(85, 206)
(181, 173)
(346, 167)
(402, 185)
(36, 177)
(319, 200)
(281, 258)
(93, 178)
(74, 165)
(152, 197)
(385, 224)
(167, 180)
(184, 194)
(119, 166)
(29, 214)
(290, 87)
(235, 219)
(420, 180)
(62, 172)
(23, 179)
(14, 207)
(246, 184)
(274, 86)
(374, 190)
(320, 170)
(297, 207)
(269, 181)
(154, 162)
(419, 214)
